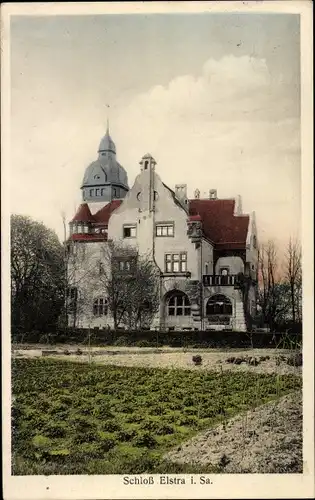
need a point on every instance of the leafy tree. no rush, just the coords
(37, 276)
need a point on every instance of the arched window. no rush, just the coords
(219, 304)
(178, 304)
(100, 307)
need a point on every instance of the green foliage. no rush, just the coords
(37, 276)
(73, 418)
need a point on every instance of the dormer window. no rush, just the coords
(146, 164)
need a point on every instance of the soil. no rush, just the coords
(212, 359)
(265, 440)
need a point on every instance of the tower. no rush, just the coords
(104, 179)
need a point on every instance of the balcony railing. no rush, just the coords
(219, 279)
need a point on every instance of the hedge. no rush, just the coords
(198, 339)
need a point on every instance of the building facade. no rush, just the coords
(205, 249)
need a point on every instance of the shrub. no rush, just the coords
(126, 434)
(55, 429)
(107, 441)
(144, 343)
(295, 359)
(164, 429)
(110, 425)
(197, 359)
(145, 439)
(123, 340)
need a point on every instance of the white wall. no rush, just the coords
(235, 265)
(207, 257)
(137, 211)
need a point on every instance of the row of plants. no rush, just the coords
(71, 418)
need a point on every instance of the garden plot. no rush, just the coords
(268, 360)
(79, 418)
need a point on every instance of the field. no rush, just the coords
(76, 418)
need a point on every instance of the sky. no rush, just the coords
(215, 98)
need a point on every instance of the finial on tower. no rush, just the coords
(107, 121)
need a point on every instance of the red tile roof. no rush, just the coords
(220, 225)
(103, 215)
(83, 214)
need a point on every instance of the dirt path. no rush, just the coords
(212, 359)
(265, 440)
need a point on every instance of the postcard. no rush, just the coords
(157, 263)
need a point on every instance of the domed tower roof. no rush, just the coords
(107, 143)
(105, 179)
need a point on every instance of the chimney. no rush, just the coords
(181, 194)
(213, 194)
(238, 205)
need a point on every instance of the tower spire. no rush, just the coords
(107, 121)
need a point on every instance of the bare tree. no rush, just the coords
(293, 275)
(80, 266)
(273, 295)
(131, 285)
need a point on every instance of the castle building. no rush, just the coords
(205, 249)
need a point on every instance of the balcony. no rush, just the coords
(219, 280)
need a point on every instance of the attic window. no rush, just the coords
(96, 177)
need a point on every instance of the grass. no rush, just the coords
(71, 418)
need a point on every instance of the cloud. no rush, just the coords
(233, 127)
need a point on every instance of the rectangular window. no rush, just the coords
(124, 265)
(91, 192)
(165, 229)
(97, 192)
(130, 231)
(176, 262)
